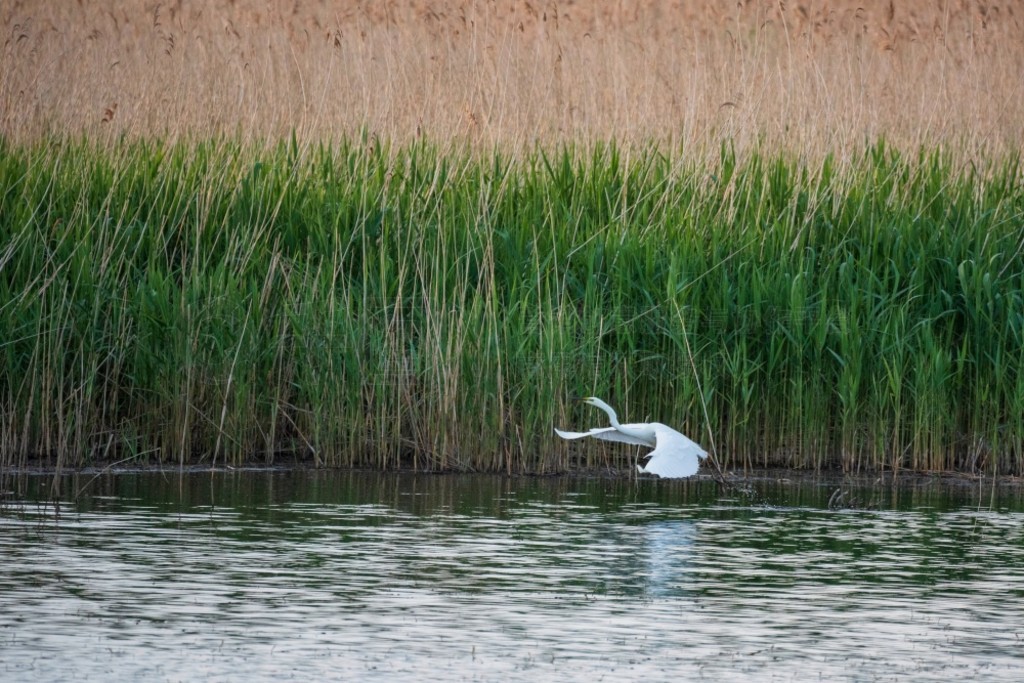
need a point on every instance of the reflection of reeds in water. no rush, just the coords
(419, 306)
(813, 78)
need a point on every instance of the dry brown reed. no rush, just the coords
(809, 77)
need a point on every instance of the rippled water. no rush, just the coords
(355, 576)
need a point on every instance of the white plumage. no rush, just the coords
(674, 455)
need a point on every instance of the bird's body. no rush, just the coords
(674, 455)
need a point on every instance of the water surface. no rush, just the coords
(276, 575)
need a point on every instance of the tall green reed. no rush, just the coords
(356, 304)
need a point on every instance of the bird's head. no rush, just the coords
(593, 401)
(598, 403)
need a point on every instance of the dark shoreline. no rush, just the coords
(776, 476)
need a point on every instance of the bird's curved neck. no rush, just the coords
(614, 420)
(612, 417)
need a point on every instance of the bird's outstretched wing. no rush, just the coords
(675, 455)
(605, 433)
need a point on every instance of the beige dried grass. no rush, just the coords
(811, 78)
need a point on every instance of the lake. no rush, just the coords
(327, 575)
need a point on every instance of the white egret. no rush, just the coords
(674, 455)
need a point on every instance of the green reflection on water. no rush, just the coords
(494, 495)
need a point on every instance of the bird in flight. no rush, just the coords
(674, 455)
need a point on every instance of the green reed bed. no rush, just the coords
(359, 305)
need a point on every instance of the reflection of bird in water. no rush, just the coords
(669, 553)
(674, 455)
